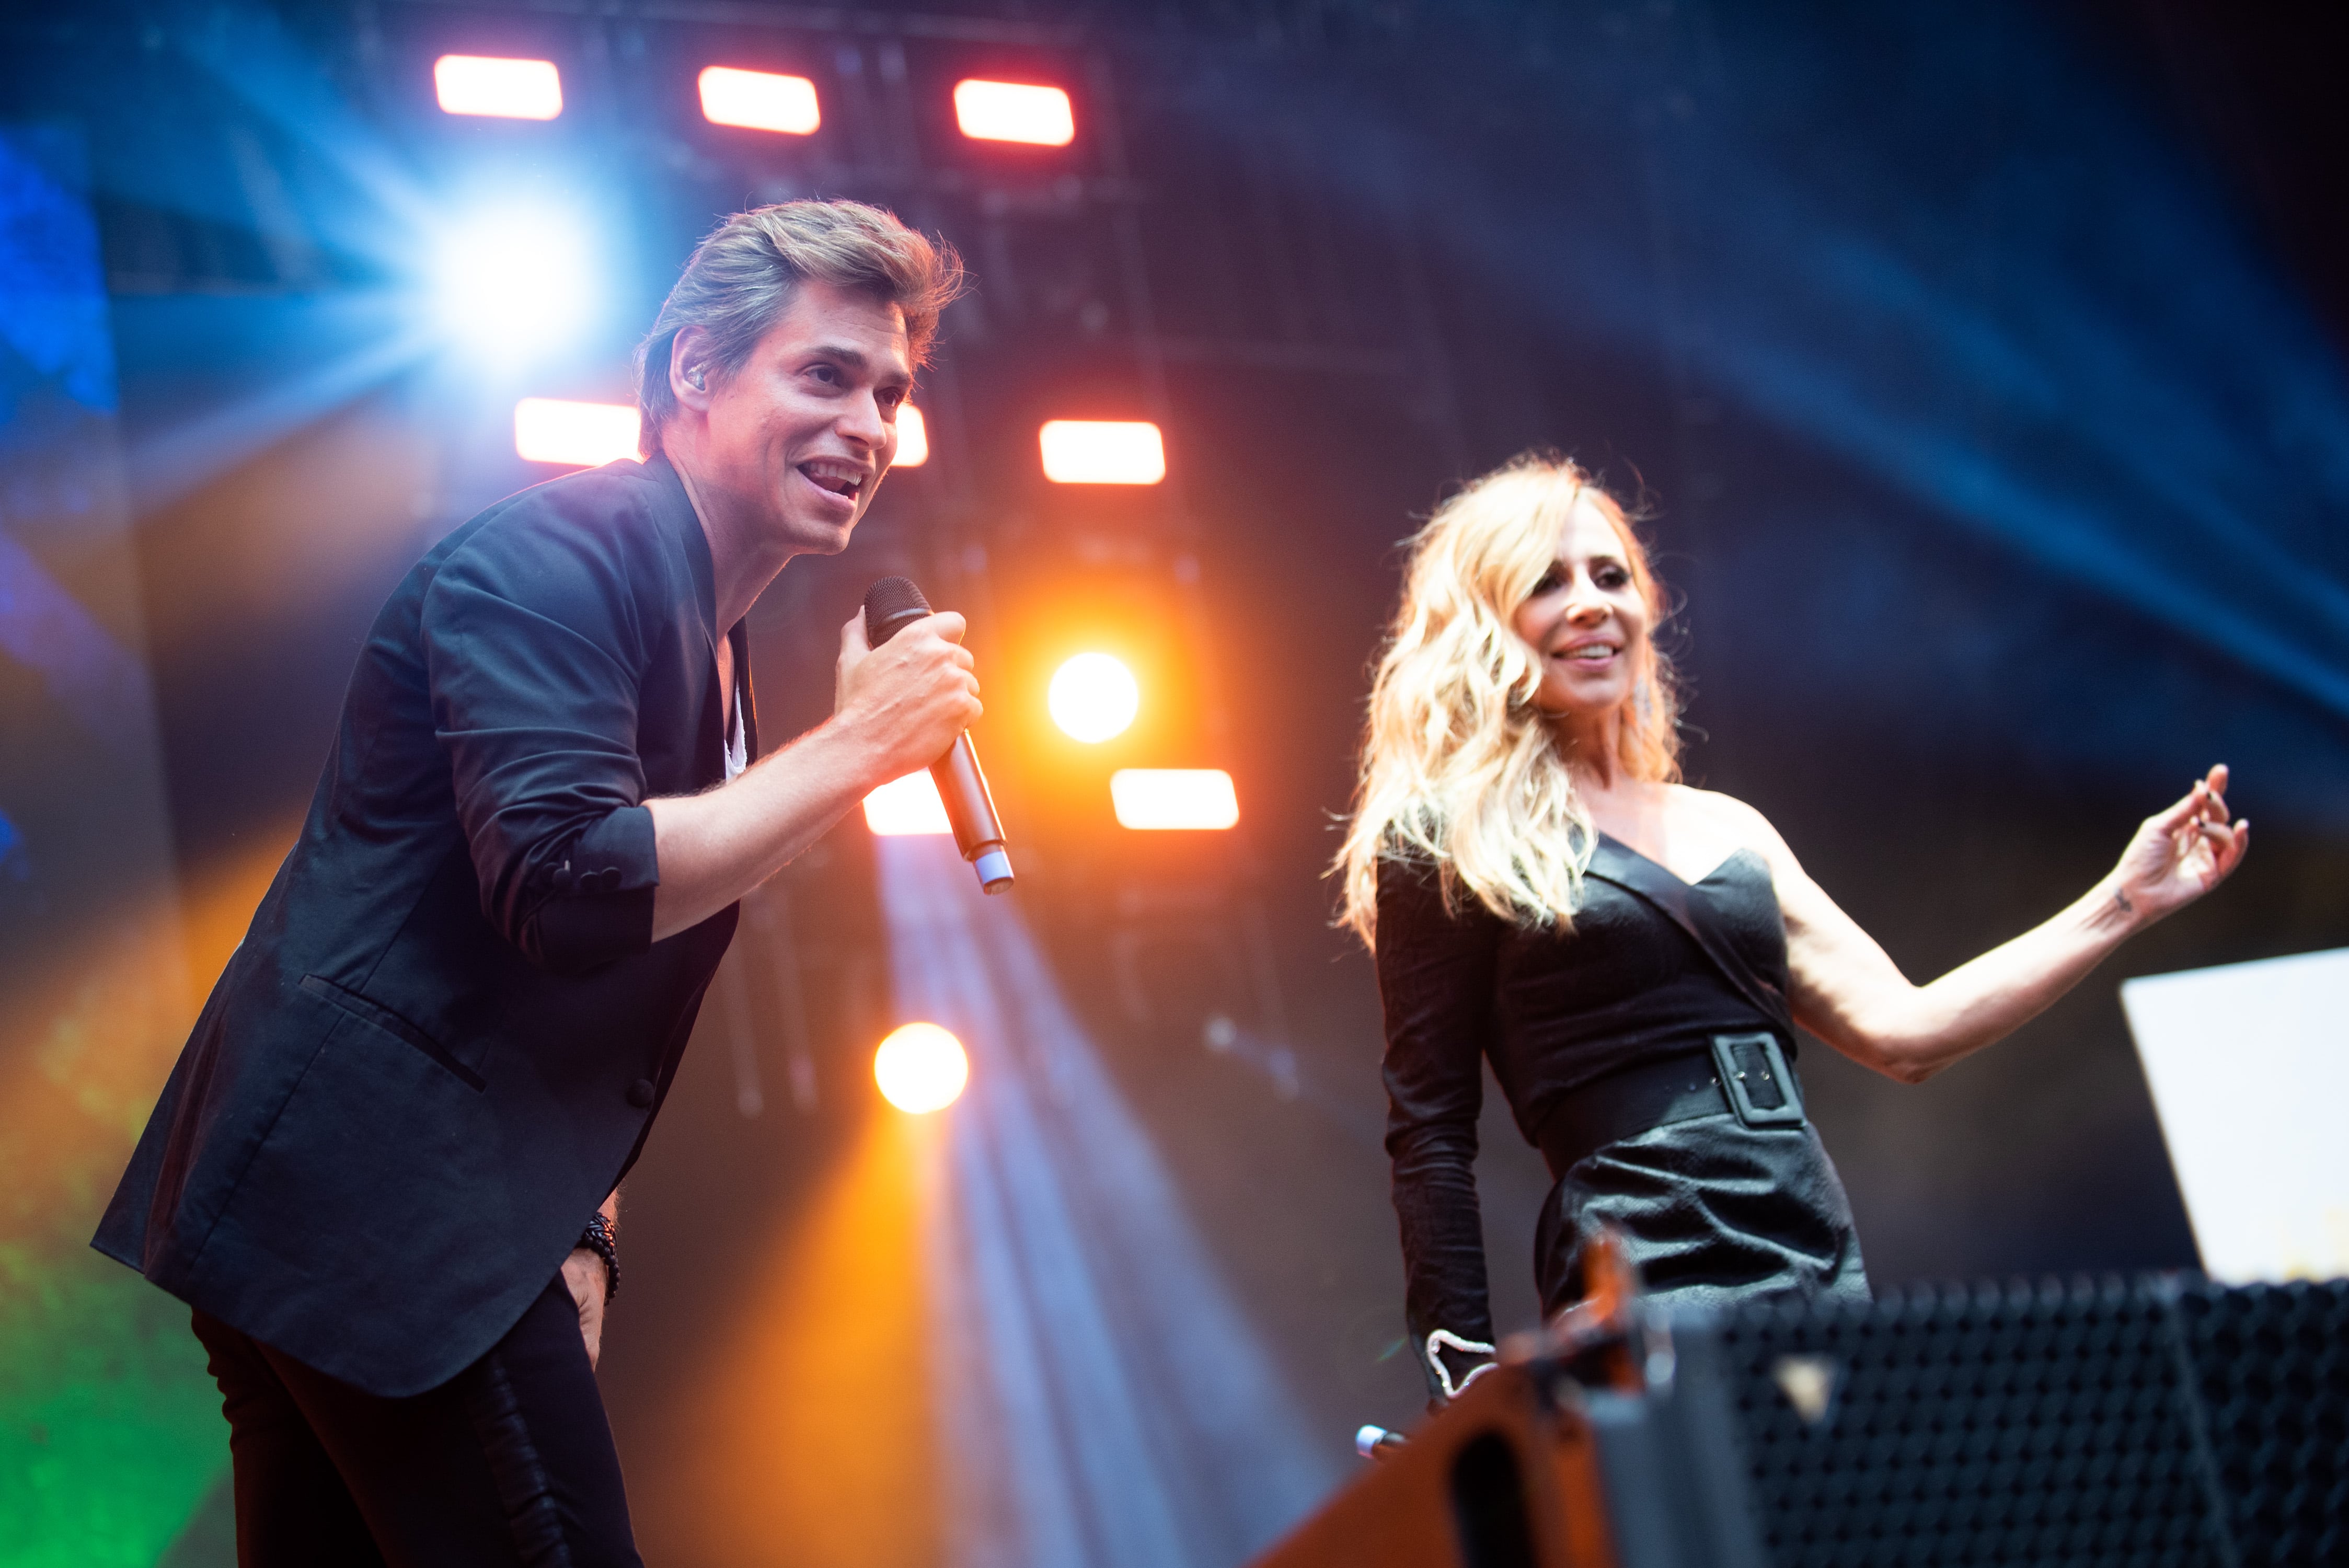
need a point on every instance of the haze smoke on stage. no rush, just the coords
(1079, 1315)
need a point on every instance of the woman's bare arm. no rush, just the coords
(1844, 989)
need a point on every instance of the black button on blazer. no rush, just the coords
(449, 1029)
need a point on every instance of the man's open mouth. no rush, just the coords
(844, 479)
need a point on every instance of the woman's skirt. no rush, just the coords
(1711, 1212)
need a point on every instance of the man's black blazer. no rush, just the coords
(448, 1028)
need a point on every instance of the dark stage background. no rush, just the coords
(1979, 371)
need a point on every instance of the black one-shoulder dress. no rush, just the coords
(1714, 1207)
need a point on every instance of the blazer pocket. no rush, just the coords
(392, 1024)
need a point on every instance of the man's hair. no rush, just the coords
(743, 277)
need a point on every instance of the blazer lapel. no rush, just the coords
(710, 715)
(741, 639)
(710, 737)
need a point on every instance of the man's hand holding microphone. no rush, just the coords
(893, 607)
(904, 690)
(909, 698)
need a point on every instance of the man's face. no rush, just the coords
(800, 435)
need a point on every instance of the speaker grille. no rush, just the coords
(2022, 1424)
(2271, 1365)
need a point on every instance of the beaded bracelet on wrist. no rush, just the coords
(597, 1239)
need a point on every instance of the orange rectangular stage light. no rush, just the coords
(1173, 797)
(913, 438)
(1014, 112)
(585, 435)
(509, 89)
(759, 101)
(1103, 451)
(907, 806)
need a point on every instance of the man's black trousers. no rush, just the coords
(509, 1463)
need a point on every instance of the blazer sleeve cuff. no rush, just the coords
(599, 903)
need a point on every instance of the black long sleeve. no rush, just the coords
(1436, 987)
(534, 642)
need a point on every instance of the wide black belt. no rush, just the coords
(1746, 1074)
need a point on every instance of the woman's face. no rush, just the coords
(1585, 620)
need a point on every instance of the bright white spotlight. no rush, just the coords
(759, 101)
(1173, 797)
(1014, 112)
(1103, 451)
(907, 806)
(585, 435)
(921, 1068)
(513, 282)
(1094, 697)
(508, 90)
(913, 438)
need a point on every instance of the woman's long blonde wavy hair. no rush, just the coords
(1458, 766)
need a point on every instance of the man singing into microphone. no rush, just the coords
(381, 1171)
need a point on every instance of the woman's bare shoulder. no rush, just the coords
(1726, 815)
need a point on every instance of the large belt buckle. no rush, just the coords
(1755, 1076)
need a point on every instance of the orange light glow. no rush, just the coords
(759, 101)
(1094, 697)
(913, 438)
(828, 1352)
(921, 1068)
(509, 89)
(1102, 452)
(1173, 797)
(585, 435)
(907, 806)
(1014, 112)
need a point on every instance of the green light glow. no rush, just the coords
(110, 1431)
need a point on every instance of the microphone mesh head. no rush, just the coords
(889, 604)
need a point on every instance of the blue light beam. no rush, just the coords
(1101, 1396)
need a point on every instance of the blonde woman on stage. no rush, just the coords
(1633, 955)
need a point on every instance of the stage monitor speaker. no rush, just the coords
(2112, 1424)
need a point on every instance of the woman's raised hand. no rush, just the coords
(2180, 854)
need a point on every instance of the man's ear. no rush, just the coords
(689, 369)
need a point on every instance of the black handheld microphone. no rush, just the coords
(889, 606)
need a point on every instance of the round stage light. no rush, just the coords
(1094, 697)
(510, 283)
(920, 1068)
